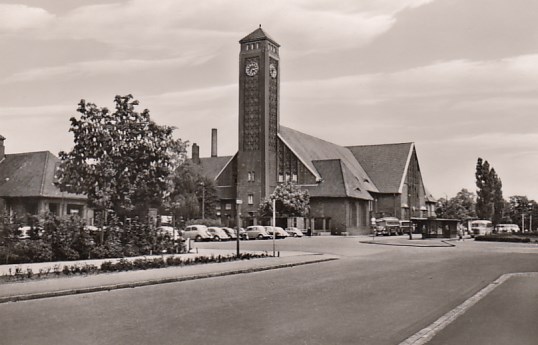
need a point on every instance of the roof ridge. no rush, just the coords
(402, 143)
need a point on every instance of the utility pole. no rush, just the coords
(274, 224)
(238, 203)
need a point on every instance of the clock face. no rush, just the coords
(272, 71)
(252, 68)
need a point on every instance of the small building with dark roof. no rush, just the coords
(27, 186)
(347, 185)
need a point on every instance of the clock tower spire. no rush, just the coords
(259, 100)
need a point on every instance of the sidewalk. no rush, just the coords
(61, 286)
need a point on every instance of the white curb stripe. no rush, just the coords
(425, 335)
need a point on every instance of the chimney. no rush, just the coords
(213, 142)
(2, 148)
(195, 153)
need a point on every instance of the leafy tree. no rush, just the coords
(120, 159)
(290, 201)
(489, 201)
(521, 208)
(188, 188)
(461, 207)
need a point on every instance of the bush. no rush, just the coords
(503, 238)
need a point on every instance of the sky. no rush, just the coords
(458, 78)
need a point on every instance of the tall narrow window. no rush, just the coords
(251, 199)
(249, 176)
(280, 177)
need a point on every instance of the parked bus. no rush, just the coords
(481, 227)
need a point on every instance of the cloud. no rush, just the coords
(15, 17)
(170, 24)
(78, 70)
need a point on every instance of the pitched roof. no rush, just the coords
(386, 164)
(31, 174)
(338, 181)
(258, 35)
(429, 196)
(212, 166)
(309, 149)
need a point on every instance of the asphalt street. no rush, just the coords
(373, 294)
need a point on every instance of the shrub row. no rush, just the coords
(63, 239)
(147, 263)
(503, 238)
(123, 265)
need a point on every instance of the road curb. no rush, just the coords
(446, 244)
(40, 295)
(426, 334)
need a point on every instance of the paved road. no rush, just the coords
(508, 315)
(372, 295)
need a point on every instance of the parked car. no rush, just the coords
(387, 226)
(294, 232)
(198, 233)
(506, 228)
(218, 234)
(405, 227)
(279, 232)
(257, 232)
(24, 232)
(170, 231)
(242, 234)
(230, 232)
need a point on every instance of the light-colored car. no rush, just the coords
(170, 231)
(294, 232)
(506, 228)
(198, 233)
(218, 234)
(279, 232)
(230, 232)
(257, 232)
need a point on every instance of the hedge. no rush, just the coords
(123, 265)
(503, 238)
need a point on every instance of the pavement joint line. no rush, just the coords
(426, 334)
(76, 291)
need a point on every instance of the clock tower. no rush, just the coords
(259, 75)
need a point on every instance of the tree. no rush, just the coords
(520, 209)
(188, 189)
(489, 201)
(461, 207)
(121, 159)
(290, 200)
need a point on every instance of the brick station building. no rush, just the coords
(347, 185)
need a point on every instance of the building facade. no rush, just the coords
(347, 185)
(27, 187)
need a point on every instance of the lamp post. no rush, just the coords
(238, 203)
(530, 207)
(274, 224)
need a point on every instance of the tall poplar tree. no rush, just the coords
(489, 197)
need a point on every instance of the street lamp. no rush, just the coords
(530, 208)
